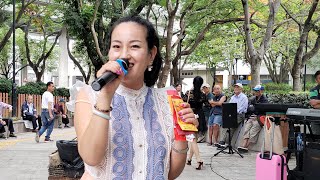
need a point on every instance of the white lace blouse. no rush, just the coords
(140, 136)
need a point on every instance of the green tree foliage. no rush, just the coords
(90, 21)
(40, 51)
(5, 85)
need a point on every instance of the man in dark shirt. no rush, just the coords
(252, 126)
(315, 102)
(29, 112)
(315, 92)
(60, 114)
(215, 119)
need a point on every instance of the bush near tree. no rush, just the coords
(279, 94)
(37, 88)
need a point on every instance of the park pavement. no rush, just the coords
(23, 158)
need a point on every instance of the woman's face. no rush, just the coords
(178, 88)
(128, 41)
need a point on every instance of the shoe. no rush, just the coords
(37, 137)
(201, 139)
(66, 126)
(215, 145)
(12, 135)
(35, 130)
(48, 140)
(60, 126)
(200, 165)
(222, 143)
(220, 148)
(2, 136)
(209, 144)
(189, 162)
(243, 150)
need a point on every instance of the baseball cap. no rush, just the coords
(239, 85)
(205, 85)
(61, 100)
(258, 88)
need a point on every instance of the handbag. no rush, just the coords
(70, 158)
(277, 147)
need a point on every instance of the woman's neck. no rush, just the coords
(133, 85)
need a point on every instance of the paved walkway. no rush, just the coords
(22, 158)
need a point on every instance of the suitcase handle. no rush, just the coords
(272, 119)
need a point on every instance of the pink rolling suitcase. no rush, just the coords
(270, 166)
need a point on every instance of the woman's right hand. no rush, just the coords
(108, 90)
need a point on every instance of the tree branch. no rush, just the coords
(74, 60)
(53, 45)
(290, 15)
(250, 47)
(93, 31)
(201, 34)
(313, 52)
(273, 8)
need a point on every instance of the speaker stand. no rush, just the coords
(229, 146)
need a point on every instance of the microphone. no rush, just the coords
(108, 76)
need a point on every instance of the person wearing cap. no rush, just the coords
(253, 126)
(242, 105)
(60, 114)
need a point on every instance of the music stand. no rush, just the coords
(229, 120)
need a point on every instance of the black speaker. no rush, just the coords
(311, 161)
(229, 115)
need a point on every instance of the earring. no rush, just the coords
(150, 68)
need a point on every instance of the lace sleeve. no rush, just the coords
(75, 90)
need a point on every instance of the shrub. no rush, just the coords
(310, 85)
(5, 85)
(39, 88)
(270, 87)
(61, 92)
(277, 96)
(290, 98)
(32, 88)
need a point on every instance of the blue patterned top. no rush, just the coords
(140, 136)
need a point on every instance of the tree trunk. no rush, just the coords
(167, 60)
(255, 71)
(38, 76)
(164, 76)
(296, 74)
(175, 72)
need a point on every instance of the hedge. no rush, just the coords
(277, 95)
(31, 88)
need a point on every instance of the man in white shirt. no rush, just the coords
(47, 114)
(242, 105)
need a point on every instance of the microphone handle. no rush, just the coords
(103, 80)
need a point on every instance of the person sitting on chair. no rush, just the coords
(6, 121)
(60, 114)
(253, 125)
(242, 105)
(29, 112)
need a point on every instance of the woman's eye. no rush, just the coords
(115, 46)
(135, 46)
